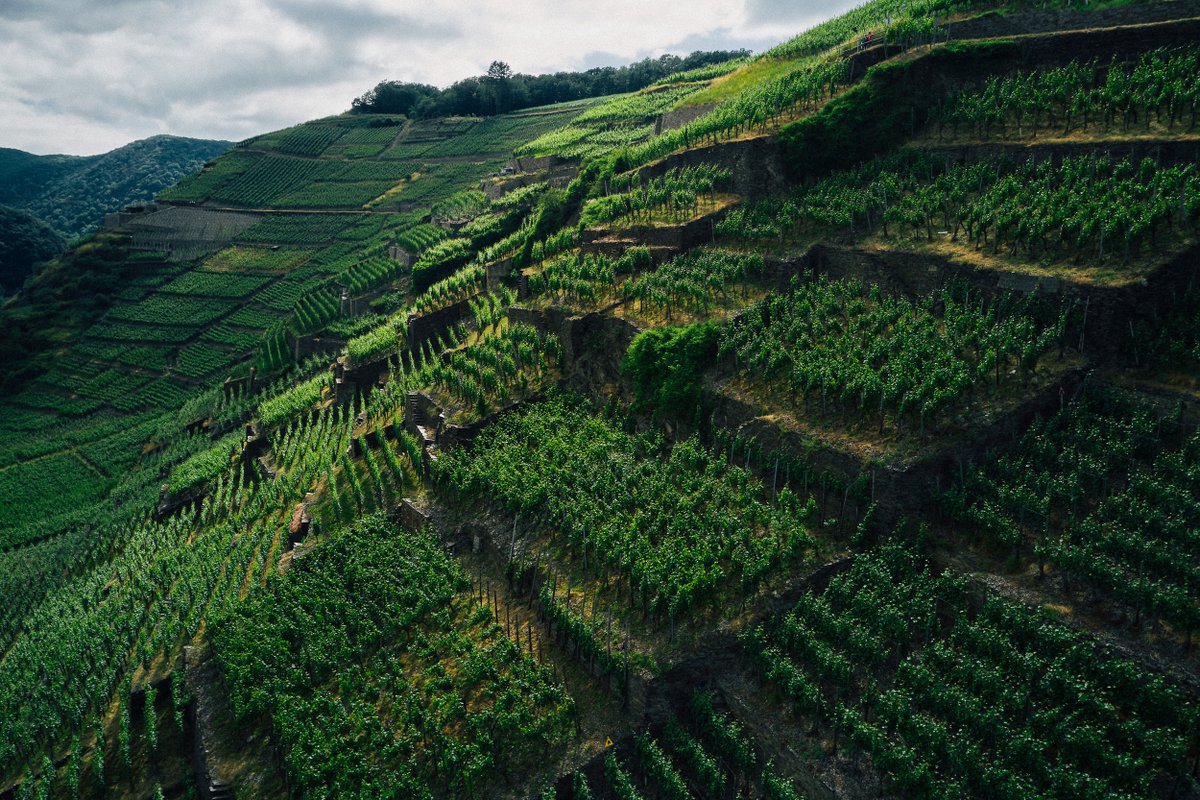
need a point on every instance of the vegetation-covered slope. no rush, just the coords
(637, 448)
(72, 193)
(24, 241)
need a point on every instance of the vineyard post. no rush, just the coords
(1083, 328)
(608, 631)
(625, 660)
(537, 567)
(512, 547)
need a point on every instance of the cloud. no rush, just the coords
(354, 22)
(777, 20)
(723, 39)
(79, 16)
(770, 12)
(83, 77)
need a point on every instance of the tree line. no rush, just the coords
(501, 90)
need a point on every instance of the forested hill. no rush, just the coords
(71, 193)
(24, 241)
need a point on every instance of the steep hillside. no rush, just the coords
(821, 425)
(73, 193)
(24, 241)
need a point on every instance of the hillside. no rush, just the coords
(73, 193)
(24, 241)
(818, 425)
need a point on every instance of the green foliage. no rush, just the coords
(439, 181)
(836, 343)
(267, 178)
(870, 117)
(295, 229)
(659, 770)
(507, 365)
(438, 261)
(1161, 85)
(384, 338)
(151, 721)
(465, 283)
(419, 238)
(592, 641)
(66, 295)
(578, 278)
(72, 193)
(460, 207)
(375, 673)
(959, 702)
(259, 259)
(309, 139)
(333, 194)
(1171, 343)
(692, 281)
(204, 466)
(163, 309)
(688, 750)
(619, 780)
(500, 135)
(1099, 494)
(301, 397)
(24, 241)
(45, 488)
(631, 502)
(726, 735)
(675, 193)
(666, 364)
(624, 111)
(1090, 207)
(820, 143)
(215, 284)
(200, 360)
(373, 612)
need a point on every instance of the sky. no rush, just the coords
(83, 77)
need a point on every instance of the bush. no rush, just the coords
(665, 365)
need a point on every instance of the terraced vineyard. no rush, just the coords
(820, 424)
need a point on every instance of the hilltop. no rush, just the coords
(817, 424)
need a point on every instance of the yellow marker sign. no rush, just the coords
(608, 741)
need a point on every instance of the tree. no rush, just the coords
(499, 71)
(393, 97)
(497, 88)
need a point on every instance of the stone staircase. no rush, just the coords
(415, 412)
(220, 791)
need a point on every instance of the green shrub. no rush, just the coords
(665, 365)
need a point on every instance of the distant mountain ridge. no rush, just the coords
(72, 193)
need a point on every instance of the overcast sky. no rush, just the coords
(86, 76)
